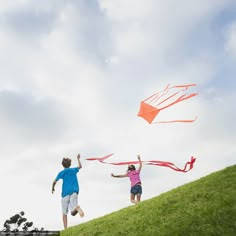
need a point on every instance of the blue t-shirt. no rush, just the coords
(70, 182)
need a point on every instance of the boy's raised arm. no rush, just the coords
(79, 163)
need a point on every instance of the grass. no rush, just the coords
(203, 207)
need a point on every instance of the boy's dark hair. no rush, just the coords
(131, 167)
(66, 162)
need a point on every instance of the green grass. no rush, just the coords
(204, 207)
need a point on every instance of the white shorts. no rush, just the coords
(69, 201)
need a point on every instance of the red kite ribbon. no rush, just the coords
(188, 166)
(173, 121)
(101, 159)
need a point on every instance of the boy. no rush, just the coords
(70, 189)
(136, 185)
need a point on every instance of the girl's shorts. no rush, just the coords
(136, 189)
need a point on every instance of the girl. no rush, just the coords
(136, 185)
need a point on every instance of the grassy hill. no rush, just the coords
(204, 207)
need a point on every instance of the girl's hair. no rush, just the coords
(131, 167)
(66, 162)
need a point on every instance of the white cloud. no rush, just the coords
(160, 26)
(231, 40)
(125, 10)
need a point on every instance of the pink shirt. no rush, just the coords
(134, 177)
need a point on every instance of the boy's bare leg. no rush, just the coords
(64, 217)
(81, 213)
(76, 210)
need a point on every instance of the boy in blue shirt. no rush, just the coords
(70, 189)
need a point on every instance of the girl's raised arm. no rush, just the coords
(140, 163)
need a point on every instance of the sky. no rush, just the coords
(72, 76)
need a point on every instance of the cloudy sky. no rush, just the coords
(72, 75)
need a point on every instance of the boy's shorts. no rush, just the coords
(69, 201)
(136, 189)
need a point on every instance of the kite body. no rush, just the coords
(171, 95)
(148, 112)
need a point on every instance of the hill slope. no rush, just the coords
(204, 207)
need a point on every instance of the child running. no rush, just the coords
(136, 185)
(70, 189)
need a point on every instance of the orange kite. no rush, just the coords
(151, 106)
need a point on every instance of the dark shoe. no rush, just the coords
(74, 212)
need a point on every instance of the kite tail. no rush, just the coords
(174, 121)
(173, 166)
(101, 159)
(155, 97)
(184, 86)
(188, 166)
(180, 99)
